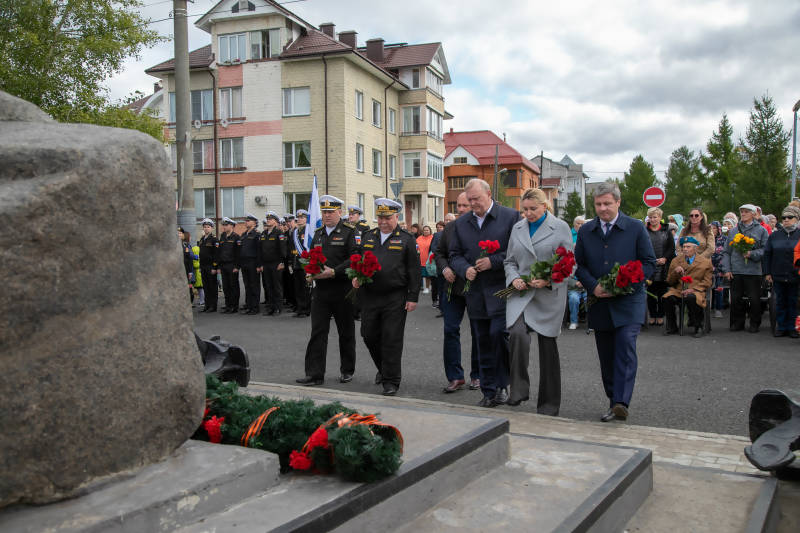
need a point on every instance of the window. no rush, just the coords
(202, 105)
(203, 155)
(452, 207)
(359, 105)
(360, 197)
(376, 162)
(392, 165)
(411, 165)
(510, 178)
(392, 120)
(376, 113)
(297, 155)
(230, 103)
(297, 200)
(204, 203)
(232, 153)
(233, 48)
(437, 209)
(434, 124)
(265, 43)
(435, 167)
(232, 202)
(296, 101)
(460, 160)
(415, 78)
(411, 120)
(458, 182)
(433, 81)
(360, 157)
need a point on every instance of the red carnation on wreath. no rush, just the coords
(362, 268)
(213, 427)
(487, 248)
(300, 460)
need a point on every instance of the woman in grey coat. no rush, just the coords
(541, 308)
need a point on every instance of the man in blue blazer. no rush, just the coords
(493, 222)
(613, 237)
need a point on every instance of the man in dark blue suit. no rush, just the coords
(613, 237)
(493, 222)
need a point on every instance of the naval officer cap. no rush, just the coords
(354, 209)
(302, 213)
(208, 222)
(288, 216)
(272, 214)
(251, 216)
(329, 202)
(226, 220)
(385, 207)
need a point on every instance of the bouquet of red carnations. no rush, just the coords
(556, 269)
(362, 268)
(313, 262)
(487, 249)
(686, 280)
(620, 281)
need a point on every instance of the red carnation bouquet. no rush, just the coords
(620, 281)
(487, 249)
(556, 269)
(362, 268)
(313, 262)
(686, 280)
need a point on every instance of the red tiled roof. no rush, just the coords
(482, 144)
(200, 58)
(550, 183)
(136, 105)
(407, 55)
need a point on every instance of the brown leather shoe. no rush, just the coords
(455, 385)
(474, 384)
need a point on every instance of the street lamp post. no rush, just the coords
(794, 148)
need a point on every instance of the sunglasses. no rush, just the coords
(787, 218)
(695, 215)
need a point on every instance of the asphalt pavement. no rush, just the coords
(701, 384)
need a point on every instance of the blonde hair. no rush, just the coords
(536, 195)
(654, 210)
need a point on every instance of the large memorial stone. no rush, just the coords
(99, 369)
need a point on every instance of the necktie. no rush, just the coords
(607, 226)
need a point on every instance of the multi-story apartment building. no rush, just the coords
(276, 101)
(471, 154)
(562, 178)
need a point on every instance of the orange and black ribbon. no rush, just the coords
(255, 427)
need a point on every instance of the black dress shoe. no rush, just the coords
(517, 402)
(752, 329)
(780, 333)
(793, 334)
(252, 312)
(309, 381)
(378, 378)
(345, 378)
(500, 397)
(301, 315)
(737, 328)
(618, 412)
(453, 386)
(277, 312)
(698, 332)
(670, 331)
(203, 310)
(486, 401)
(211, 310)
(389, 389)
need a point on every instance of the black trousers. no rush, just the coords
(549, 400)
(209, 286)
(326, 303)
(272, 280)
(671, 303)
(656, 305)
(741, 286)
(287, 281)
(252, 289)
(302, 293)
(230, 286)
(383, 323)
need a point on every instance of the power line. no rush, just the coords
(217, 11)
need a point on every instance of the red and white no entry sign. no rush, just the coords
(654, 196)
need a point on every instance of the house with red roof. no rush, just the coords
(472, 154)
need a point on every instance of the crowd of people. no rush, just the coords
(691, 266)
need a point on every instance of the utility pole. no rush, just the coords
(186, 213)
(494, 186)
(794, 149)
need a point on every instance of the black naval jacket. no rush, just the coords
(272, 247)
(249, 245)
(399, 260)
(209, 251)
(362, 227)
(294, 253)
(229, 248)
(337, 248)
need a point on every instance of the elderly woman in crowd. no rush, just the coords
(576, 226)
(540, 307)
(689, 264)
(699, 229)
(664, 248)
(779, 266)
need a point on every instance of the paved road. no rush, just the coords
(685, 383)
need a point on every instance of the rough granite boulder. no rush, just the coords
(99, 369)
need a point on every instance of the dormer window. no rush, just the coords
(233, 48)
(265, 43)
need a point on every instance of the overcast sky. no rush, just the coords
(600, 81)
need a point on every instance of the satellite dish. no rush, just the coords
(197, 124)
(224, 122)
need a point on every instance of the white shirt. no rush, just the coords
(385, 236)
(481, 219)
(610, 224)
(329, 230)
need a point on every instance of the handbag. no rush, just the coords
(430, 267)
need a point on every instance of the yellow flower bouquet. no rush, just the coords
(743, 244)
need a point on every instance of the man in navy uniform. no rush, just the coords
(272, 251)
(229, 244)
(337, 239)
(302, 292)
(209, 252)
(613, 237)
(354, 214)
(248, 261)
(286, 274)
(394, 292)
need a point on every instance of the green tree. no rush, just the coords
(573, 207)
(765, 149)
(721, 166)
(115, 116)
(682, 179)
(639, 177)
(58, 53)
(590, 212)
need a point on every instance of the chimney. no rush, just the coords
(350, 38)
(375, 50)
(451, 131)
(156, 87)
(328, 28)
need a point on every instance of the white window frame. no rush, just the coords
(434, 123)
(359, 105)
(376, 113)
(360, 197)
(294, 95)
(205, 146)
(392, 167)
(359, 157)
(233, 94)
(435, 167)
(205, 97)
(295, 154)
(410, 111)
(225, 56)
(460, 160)
(415, 84)
(231, 202)
(230, 150)
(433, 81)
(377, 157)
(268, 49)
(202, 207)
(410, 157)
(392, 120)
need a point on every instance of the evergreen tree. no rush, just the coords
(573, 207)
(639, 177)
(765, 149)
(682, 179)
(721, 166)
(590, 212)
